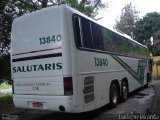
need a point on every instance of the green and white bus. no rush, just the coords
(64, 61)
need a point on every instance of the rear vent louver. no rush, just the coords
(88, 89)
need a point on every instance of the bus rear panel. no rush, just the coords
(38, 66)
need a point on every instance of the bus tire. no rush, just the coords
(124, 91)
(113, 95)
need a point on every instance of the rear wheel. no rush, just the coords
(113, 95)
(124, 91)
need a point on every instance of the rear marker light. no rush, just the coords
(68, 86)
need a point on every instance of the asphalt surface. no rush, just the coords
(139, 103)
(142, 104)
(156, 107)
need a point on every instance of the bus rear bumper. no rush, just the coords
(54, 103)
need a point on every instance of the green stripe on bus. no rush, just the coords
(128, 68)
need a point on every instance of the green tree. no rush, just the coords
(129, 15)
(155, 46)
(5, 68)
(7, 14)
(147, 28)
(88, 7)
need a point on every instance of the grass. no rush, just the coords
(5, 96)
(4, 85)
(6, 103)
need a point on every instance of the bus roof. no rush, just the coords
(85, 16)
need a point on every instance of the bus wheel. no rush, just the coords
(113, 95)
(124, 91)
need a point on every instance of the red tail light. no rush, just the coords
(68, 86)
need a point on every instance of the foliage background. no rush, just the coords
(145, 30)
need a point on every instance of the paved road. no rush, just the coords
(139, 102)
(156, 84)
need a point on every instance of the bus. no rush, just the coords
(64, 61)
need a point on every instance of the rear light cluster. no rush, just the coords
(68, 86)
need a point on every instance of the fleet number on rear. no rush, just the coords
(49, 39)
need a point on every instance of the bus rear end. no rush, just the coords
(38, 63)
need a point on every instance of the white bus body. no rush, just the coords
(50, 72)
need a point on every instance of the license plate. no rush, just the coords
(37, 105)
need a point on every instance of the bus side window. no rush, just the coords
(106, 40)
(113, 42)
(97, 36)
(82, 29)
(86, 30)
(78, 31)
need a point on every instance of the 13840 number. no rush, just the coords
(49, 39)
(101, 61)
